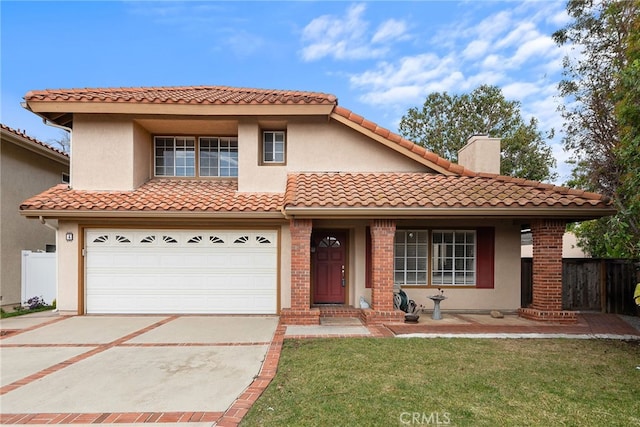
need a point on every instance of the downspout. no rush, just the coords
(55, 229)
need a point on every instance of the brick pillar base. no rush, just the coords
(559, 316)
(377, 317)
(309, 316)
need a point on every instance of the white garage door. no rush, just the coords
(178, 271)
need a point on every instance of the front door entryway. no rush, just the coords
(328, 257)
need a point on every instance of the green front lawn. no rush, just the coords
(462, 382)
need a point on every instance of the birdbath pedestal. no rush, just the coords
(436, 306)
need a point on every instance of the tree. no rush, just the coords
(63, 142)
(445, 122)
(601, 87)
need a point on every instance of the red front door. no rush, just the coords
(329, 260)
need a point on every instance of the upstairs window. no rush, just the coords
(181, 157)
(273, 147)
(218, 156)
(175, 156)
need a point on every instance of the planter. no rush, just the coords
(411, 318)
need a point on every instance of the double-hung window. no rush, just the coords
(273, 146)
(181, 157)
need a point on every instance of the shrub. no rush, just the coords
(35, 302)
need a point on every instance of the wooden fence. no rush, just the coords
(590, 284)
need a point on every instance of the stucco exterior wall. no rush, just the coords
(103, 153)
(142, 155)
(69, 258)
(315, 145)
(23, 173)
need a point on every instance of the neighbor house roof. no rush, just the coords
(20, 137)
(329, 194)
(167, 196)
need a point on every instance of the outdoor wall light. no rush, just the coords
(69, 236)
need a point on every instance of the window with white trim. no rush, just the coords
(175, 156)
(273, 146)
(453, 258)
(218, 156)
(181, 157)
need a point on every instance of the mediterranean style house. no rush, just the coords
(27, 166)
(212, 199)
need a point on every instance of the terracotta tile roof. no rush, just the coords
(158, 195)
(182, 95)
(420, 190)
(21, 134)
(322, 191)
(403, 142)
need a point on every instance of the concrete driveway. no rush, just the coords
(129, 368)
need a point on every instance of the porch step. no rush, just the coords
(327, 311)
(340, 321)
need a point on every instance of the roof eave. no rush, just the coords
(567, 213)
(51, 109)
(68, 214)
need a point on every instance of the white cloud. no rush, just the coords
(519, 90)
(522, 32)
(418, 69)
(476, 49)
(539, 48)
(348, 37)
(390, 30)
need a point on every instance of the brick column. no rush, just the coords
(547, 273)
(300, 311)
(382, 238)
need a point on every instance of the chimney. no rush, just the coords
(481, 154)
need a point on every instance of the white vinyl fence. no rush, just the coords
(39, 275)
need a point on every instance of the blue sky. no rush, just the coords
(379, 58)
